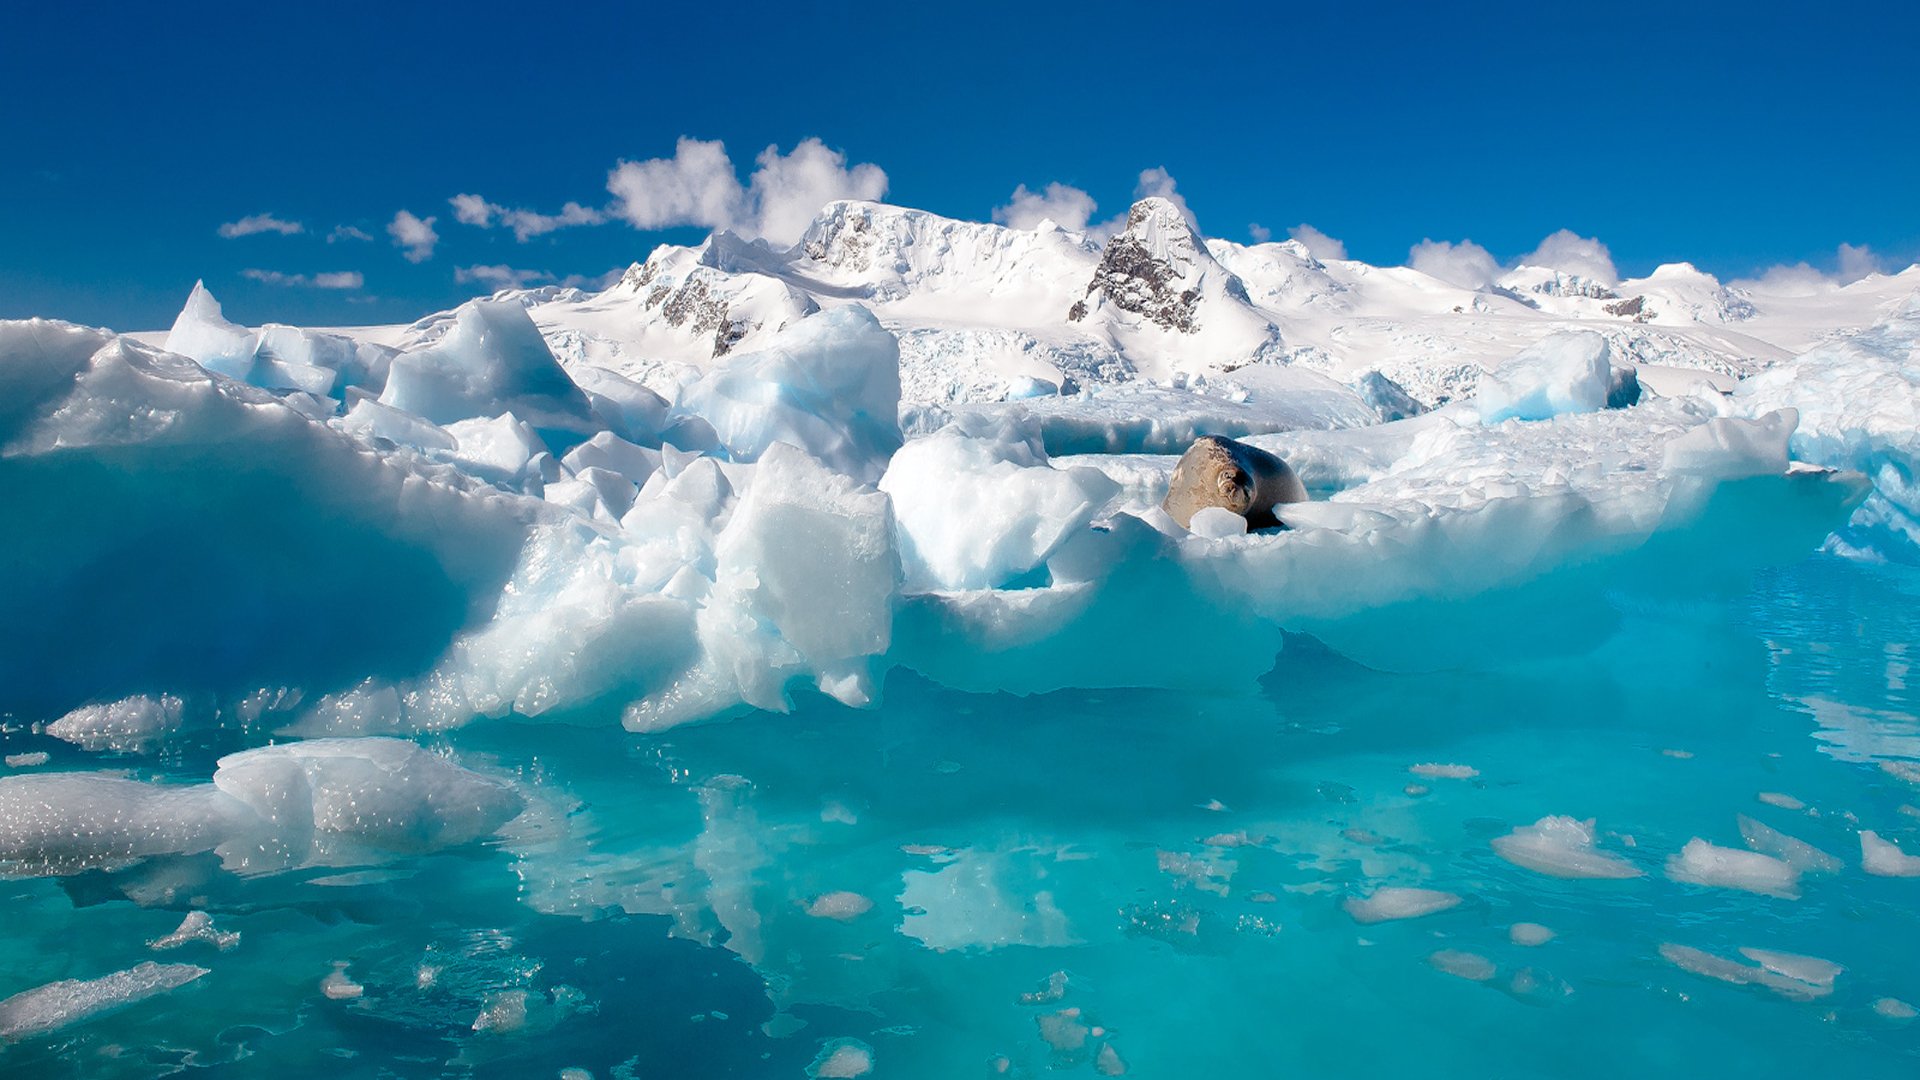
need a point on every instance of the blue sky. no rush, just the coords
(1737, 137)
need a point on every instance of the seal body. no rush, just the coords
(1247, 480)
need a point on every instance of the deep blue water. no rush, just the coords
(653, 902)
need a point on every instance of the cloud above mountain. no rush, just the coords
(699, 186)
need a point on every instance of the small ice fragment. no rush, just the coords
(1216, 806)
(1217, 523)
(1895, 1009)
(337, 987)
(1798, 854)
(1811, 970)
(1883, 858)
(197, 926)
(1063, 1030)
(1682, 755)
(504, 1011)
(1416, 791)
(1781, 800)
(1561, 847)
(56, 1005)
(1469, 966)
(1108, 1061)
(1233, 839)
(835, 812)
(28, 761)
(1393, 902)
(1529, 934)
(841, 906)
(842, 1059)
(1433, 770)
(1701, 863)
(575, 1073)
(1053, 989)
(781, 1025)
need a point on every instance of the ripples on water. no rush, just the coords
(1080, 883)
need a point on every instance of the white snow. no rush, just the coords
(1561, 847)
(1703, 863)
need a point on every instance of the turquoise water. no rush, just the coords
(650, 917)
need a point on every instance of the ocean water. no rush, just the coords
(1079, 883)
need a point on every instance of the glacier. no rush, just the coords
(789, 648)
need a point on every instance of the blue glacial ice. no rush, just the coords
(448, 708)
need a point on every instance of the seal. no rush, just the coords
(1222, 472)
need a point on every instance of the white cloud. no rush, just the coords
(346, 232)
(1851, 263)
(1465, 264)
(1857, 262)
(500, 276)
(699, 186)
(1318, 244)
(1260, 233)
(1571, 253)
(526, 224)
(260, 223)
(1065, 206)
(413, 234)
(334, 279)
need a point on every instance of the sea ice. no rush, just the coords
(1395, 902)
(1562, 847)
(842, 1059)
(1702, 863)
(1433, 770)
(129, 725)
(1529, 934)
(1802, 856)
(1564, 373)
(1465, 965)
(492, 360)
(839, 906)
(197, 926)
(57, 1005)
(1883, 858)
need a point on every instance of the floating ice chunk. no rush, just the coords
(1702, 863)
(829, 384)
(197, 926)
(1783, 801)
(1563, 373)
(1883, 858)
(1561, 847)
(1800, 978)
(978, 505)
(63, 823)
(379, 794)
(202, 333)
(1811, 970)
(495, 447)
(635, 413)
(503, 1012)
(337, 986)
(1729, 448)
(1394, 902)
(1064, 1031)
(842, 1059)
(56, 1005)
(1108, 1061)
(1465, 965)
(1436, 771)
(130, 725)
(28, 760)
(1894, 1009)
(371, 420)
(839, 906)
(614, 454)
(1217, 523)
(1799, 854)
(491, 361)
(1528, 934)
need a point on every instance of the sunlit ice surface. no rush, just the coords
(1165, 883)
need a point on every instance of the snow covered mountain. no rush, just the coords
(985, 313)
